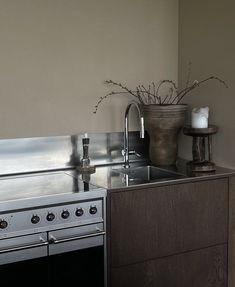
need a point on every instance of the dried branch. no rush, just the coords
(163, 102)
(189, 74)
(144, 96)
(170, 96)
(164, 82)
(154, 93)
(195, 84)
(105, 97)
(172, 83)
(138, 93)
(151, 95)
(122, 87)
(148, 93)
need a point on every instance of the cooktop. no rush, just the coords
(41, 184)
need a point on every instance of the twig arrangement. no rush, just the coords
(151, 94)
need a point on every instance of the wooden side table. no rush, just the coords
(200, 163)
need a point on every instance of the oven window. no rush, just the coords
(27, 273)
(78, 268)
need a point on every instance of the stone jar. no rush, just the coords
(163, 124)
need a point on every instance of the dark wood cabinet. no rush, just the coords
(172, 235)
(201, 268)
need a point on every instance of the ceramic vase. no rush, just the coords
(163, 124)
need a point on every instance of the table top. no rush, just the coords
(190, 131)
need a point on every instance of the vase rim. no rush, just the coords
(157, 107)
(165, 105)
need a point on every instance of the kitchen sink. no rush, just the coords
(148, 173)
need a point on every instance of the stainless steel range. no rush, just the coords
(47, 214)
(52, 225)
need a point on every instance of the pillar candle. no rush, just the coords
(200, 117)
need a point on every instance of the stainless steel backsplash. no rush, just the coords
(24, 155)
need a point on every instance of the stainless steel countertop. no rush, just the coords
(36, 189)
(106, 176)
(36, 185)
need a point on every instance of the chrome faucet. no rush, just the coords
(126, 152)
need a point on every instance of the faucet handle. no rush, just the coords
(137, 154)
(131, 152)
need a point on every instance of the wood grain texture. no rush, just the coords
(198, 149)
(231, 242)
(201, 268)
(161, 221)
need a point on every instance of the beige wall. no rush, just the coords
(207, 39)
(56, 54)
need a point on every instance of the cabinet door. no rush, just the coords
(202, 268)
(160, 221)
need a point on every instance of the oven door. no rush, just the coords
(76, 238)
(77, 256)
(23, 258)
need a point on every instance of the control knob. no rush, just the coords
(35, 219)
(65, 214)
(93, 210)
(50, 216)
(3, 224)
(79, 212)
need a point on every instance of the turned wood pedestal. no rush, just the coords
(202, 138)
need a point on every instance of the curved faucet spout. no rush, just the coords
(126, 151)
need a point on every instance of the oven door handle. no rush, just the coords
(54, 240)
(23, 247)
